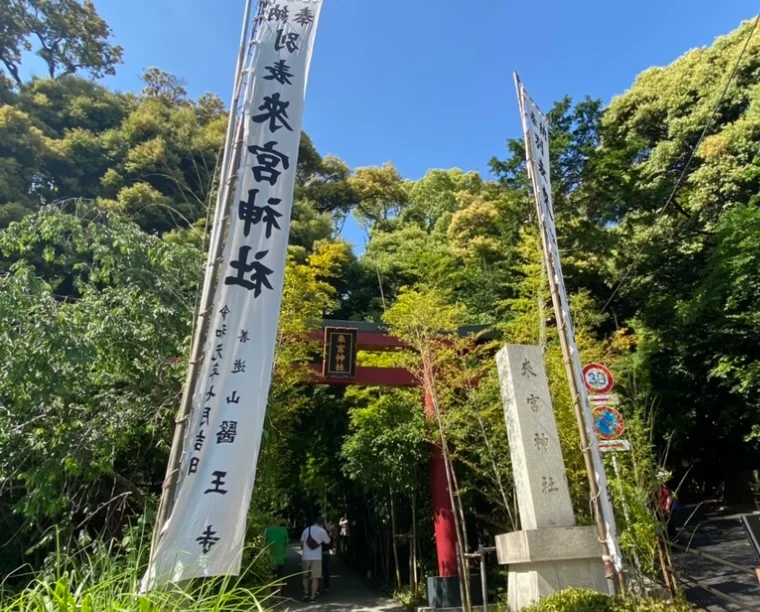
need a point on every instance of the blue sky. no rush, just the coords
(427, 83)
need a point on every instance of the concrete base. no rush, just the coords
(543, 561)
(443, 592)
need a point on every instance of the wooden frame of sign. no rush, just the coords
(339, 352)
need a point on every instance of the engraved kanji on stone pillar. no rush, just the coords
(549, 553)
(543, 496)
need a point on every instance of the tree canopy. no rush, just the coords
(104, 198)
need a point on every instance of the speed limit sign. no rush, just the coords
(598, 378)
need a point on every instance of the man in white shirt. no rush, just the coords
(344, 534)
(312, 539)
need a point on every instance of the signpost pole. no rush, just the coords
(593, 463)
(227, 173)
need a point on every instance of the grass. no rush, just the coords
(411, 598)
(102, 579)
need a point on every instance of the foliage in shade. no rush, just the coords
(104, 198)
(68, 35)
(108, 578)
(579, 600)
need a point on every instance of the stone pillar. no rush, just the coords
(550, 552)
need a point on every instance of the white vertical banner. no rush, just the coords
(536, 128)
(205, 532)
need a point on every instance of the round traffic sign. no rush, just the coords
(608, 422)
(598, 378)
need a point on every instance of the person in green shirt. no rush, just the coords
(276, 539)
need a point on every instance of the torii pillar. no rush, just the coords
(372, 337)
(443, 519)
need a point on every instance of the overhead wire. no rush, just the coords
(682, 176)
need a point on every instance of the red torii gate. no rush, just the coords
(372, 337)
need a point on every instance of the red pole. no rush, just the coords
(445, 530)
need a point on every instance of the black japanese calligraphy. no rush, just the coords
(279, 72)
(199, 440)
(214, 370)
(210, 393)
(539, 144)
(217, 483)
(193, 468)
(541, 442)
(278, 13)
(224, 312)
(217, 354)
(259, 272)
(234, 398)
(286, 41)
(304, 17)
(238, 366)
(533, 402)
(251, 214)
(243, 337)
(541, 168)
(542, 130)
(268, 159)
(533, 118)
(548, 485)
(205, 418)
(527, 369)
(207, 540)
(227, 432)
(274, 110)
(222, 331)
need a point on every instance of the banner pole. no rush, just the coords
(227, 174)
(572, 377)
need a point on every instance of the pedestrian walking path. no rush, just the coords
(349, 591)
(718, 532)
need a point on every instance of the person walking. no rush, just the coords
(344, 534)
(312, 540)
(326, 552)
(276, 540)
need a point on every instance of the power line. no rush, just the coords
(708, 125)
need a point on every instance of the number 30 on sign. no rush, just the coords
(598, 378)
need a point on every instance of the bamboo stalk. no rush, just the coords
(227, 173)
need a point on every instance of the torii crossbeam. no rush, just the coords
(373, 337)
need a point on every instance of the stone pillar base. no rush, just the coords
(544, 561)
(443, 592)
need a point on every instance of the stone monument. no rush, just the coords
(550, 552)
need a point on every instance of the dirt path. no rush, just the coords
(349, 591)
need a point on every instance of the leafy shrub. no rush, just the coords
(108, 578)
(582, 600)
(411, 598)
(574, 600)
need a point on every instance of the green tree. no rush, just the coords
(676, 260)
(386, 452)
(89, 383)
(380, 193)
(68, 35)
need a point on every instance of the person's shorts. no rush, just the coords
(312, 569)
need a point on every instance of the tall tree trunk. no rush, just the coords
(413, 548)
(388, 546)
(12, 70)
(371, 538)
(394, 539)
